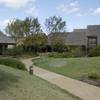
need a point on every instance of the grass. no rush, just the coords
(11, 62)
(19, 85)
(71, 67)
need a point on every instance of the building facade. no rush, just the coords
(89, 37)
(5, 42)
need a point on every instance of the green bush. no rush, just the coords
(15, 51)
(20, 52)
(94, 52)
(59, 48)
(60, 55)
(94, 76)
(78, 52)
(14, 63)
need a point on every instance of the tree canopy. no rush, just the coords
(22, 28)
(55, 24)
(36, 39)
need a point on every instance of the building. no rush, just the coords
(88, 38)
(5, 42)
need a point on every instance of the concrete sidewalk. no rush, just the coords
(75, 87)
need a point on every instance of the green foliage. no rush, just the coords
(94, 52)
(31, 25)
(36, 42)
(59, 48)
(14, 29)
(21, 28)
(55, 24)
(57, 42)
(94, 76)
(17, 50)
(60, 55)
(62, 51)
(78, 52)
(36, 39)
(14, 63)
(58, 45)
(20, 52)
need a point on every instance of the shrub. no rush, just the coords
(20, 52)
(94, 52)
(78, 52)
(60, 55)
(75, 52)
(14, 63)
(94, 76)
(15, 51)
(44, 48)
(59, 48)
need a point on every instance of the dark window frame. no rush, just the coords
(92, 41)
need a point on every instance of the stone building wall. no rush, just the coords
(94, 30)
(79, 37)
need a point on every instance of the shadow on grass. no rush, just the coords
(7, 80)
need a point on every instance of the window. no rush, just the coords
(92, 41)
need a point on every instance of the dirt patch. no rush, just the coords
(57, 63)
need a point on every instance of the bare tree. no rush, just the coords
(55, 24)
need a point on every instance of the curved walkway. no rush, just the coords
(75, 87)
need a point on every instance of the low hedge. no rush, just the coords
(78, 52)
(94, 52)
(60, 55)
(11, 62)
(94, 76)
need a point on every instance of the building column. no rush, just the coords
(3, 49)
(0, 49)
(86, 50)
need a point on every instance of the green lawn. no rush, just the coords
(19, 85)
(71, 67)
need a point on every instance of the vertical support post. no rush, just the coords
(86, 49)
(2, 49)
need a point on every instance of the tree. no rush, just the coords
(31, 25)
(55, 24)
(35, 26)
(36, 41)
(22, 28)
(58, 44)
(14, 28)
